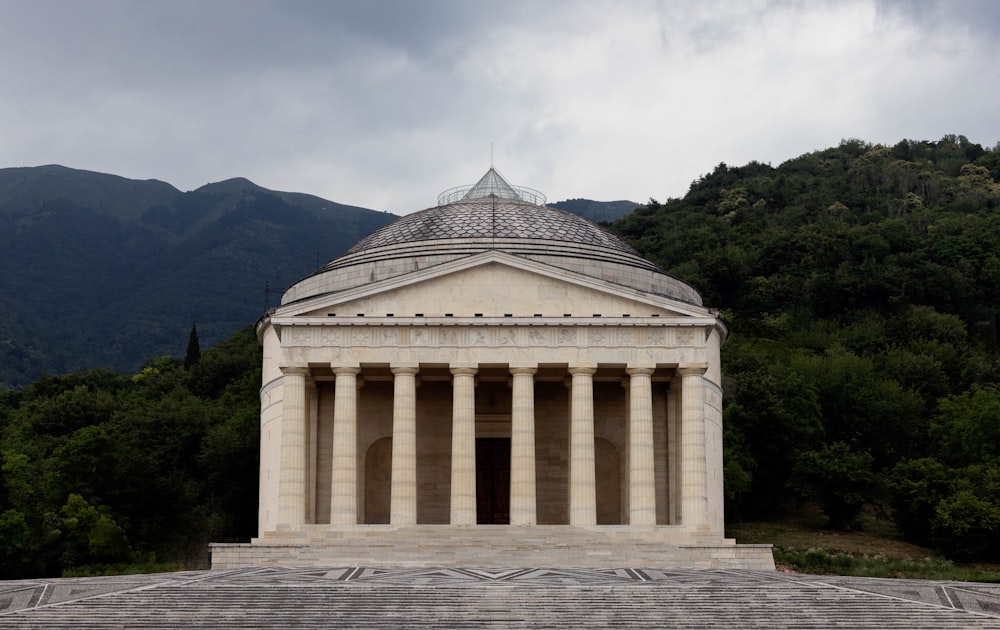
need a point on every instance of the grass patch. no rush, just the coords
(818, 561)
(802, 545)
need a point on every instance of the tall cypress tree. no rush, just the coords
(193, 354)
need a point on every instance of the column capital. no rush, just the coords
(405, 369)
(464, 370)
(346, 370)
(294, 369)
(692, 369)
(639, 371)
(582, 369)
(523, 370)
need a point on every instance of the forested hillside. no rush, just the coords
(861, 286)
(105, 469)
(104, 271)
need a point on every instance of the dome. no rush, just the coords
(486, 220)
(491, 215)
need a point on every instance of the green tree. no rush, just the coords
(967, 427)
(193, 353)
(967, 527)
(916, 487)
(838, 479)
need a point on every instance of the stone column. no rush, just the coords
(522, 447)
(641, 474)
(291, 474)
(694, 476)
(344, 474)
(673, 455)
(403, 494)
(312, 396)
(582, 483)
(463, 446)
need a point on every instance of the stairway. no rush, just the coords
(524, 598)
(491, 546)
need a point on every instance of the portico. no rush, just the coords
(551, 466)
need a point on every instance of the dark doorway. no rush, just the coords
(493, 481)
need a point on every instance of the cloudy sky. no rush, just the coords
(386, 103)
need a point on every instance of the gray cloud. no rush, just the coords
(386, 103)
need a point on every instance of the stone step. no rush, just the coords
(495, 534)
(283, 600)
(487, 546)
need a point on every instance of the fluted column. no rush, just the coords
(463, 446)
(344, 474)
(403, 493)
(522, 447)
(312, 426)
(582, 476)
(694, 475)
(642, 477)
(291, 474)
(673, 454)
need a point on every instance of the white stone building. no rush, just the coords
(491, 375)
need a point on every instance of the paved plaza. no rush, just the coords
(495, 598)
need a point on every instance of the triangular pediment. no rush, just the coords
(492, 284)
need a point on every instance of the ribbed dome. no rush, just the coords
(490, 215)
(488, 220)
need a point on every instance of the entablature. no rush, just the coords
(500, 332)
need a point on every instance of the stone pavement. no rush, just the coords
(494, 598)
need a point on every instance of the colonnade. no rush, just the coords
(688, 480)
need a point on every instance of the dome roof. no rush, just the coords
(490, 219)
(490, 215)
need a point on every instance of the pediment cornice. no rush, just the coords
(311, 305)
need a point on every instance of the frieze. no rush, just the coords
(539, 336)
(655, 337)
(493, 336)
(300, 336)
(685, 337)
(507, 337)
(360, 337)
(597, 337)
(390, 337)
(331, 337)
(568, 337)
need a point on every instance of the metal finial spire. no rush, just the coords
(491, 185)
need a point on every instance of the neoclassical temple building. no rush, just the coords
(493, 382)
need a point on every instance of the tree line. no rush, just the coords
(861, 287)
(102, 470)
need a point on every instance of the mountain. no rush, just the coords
(104, 271)
(597, 211)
